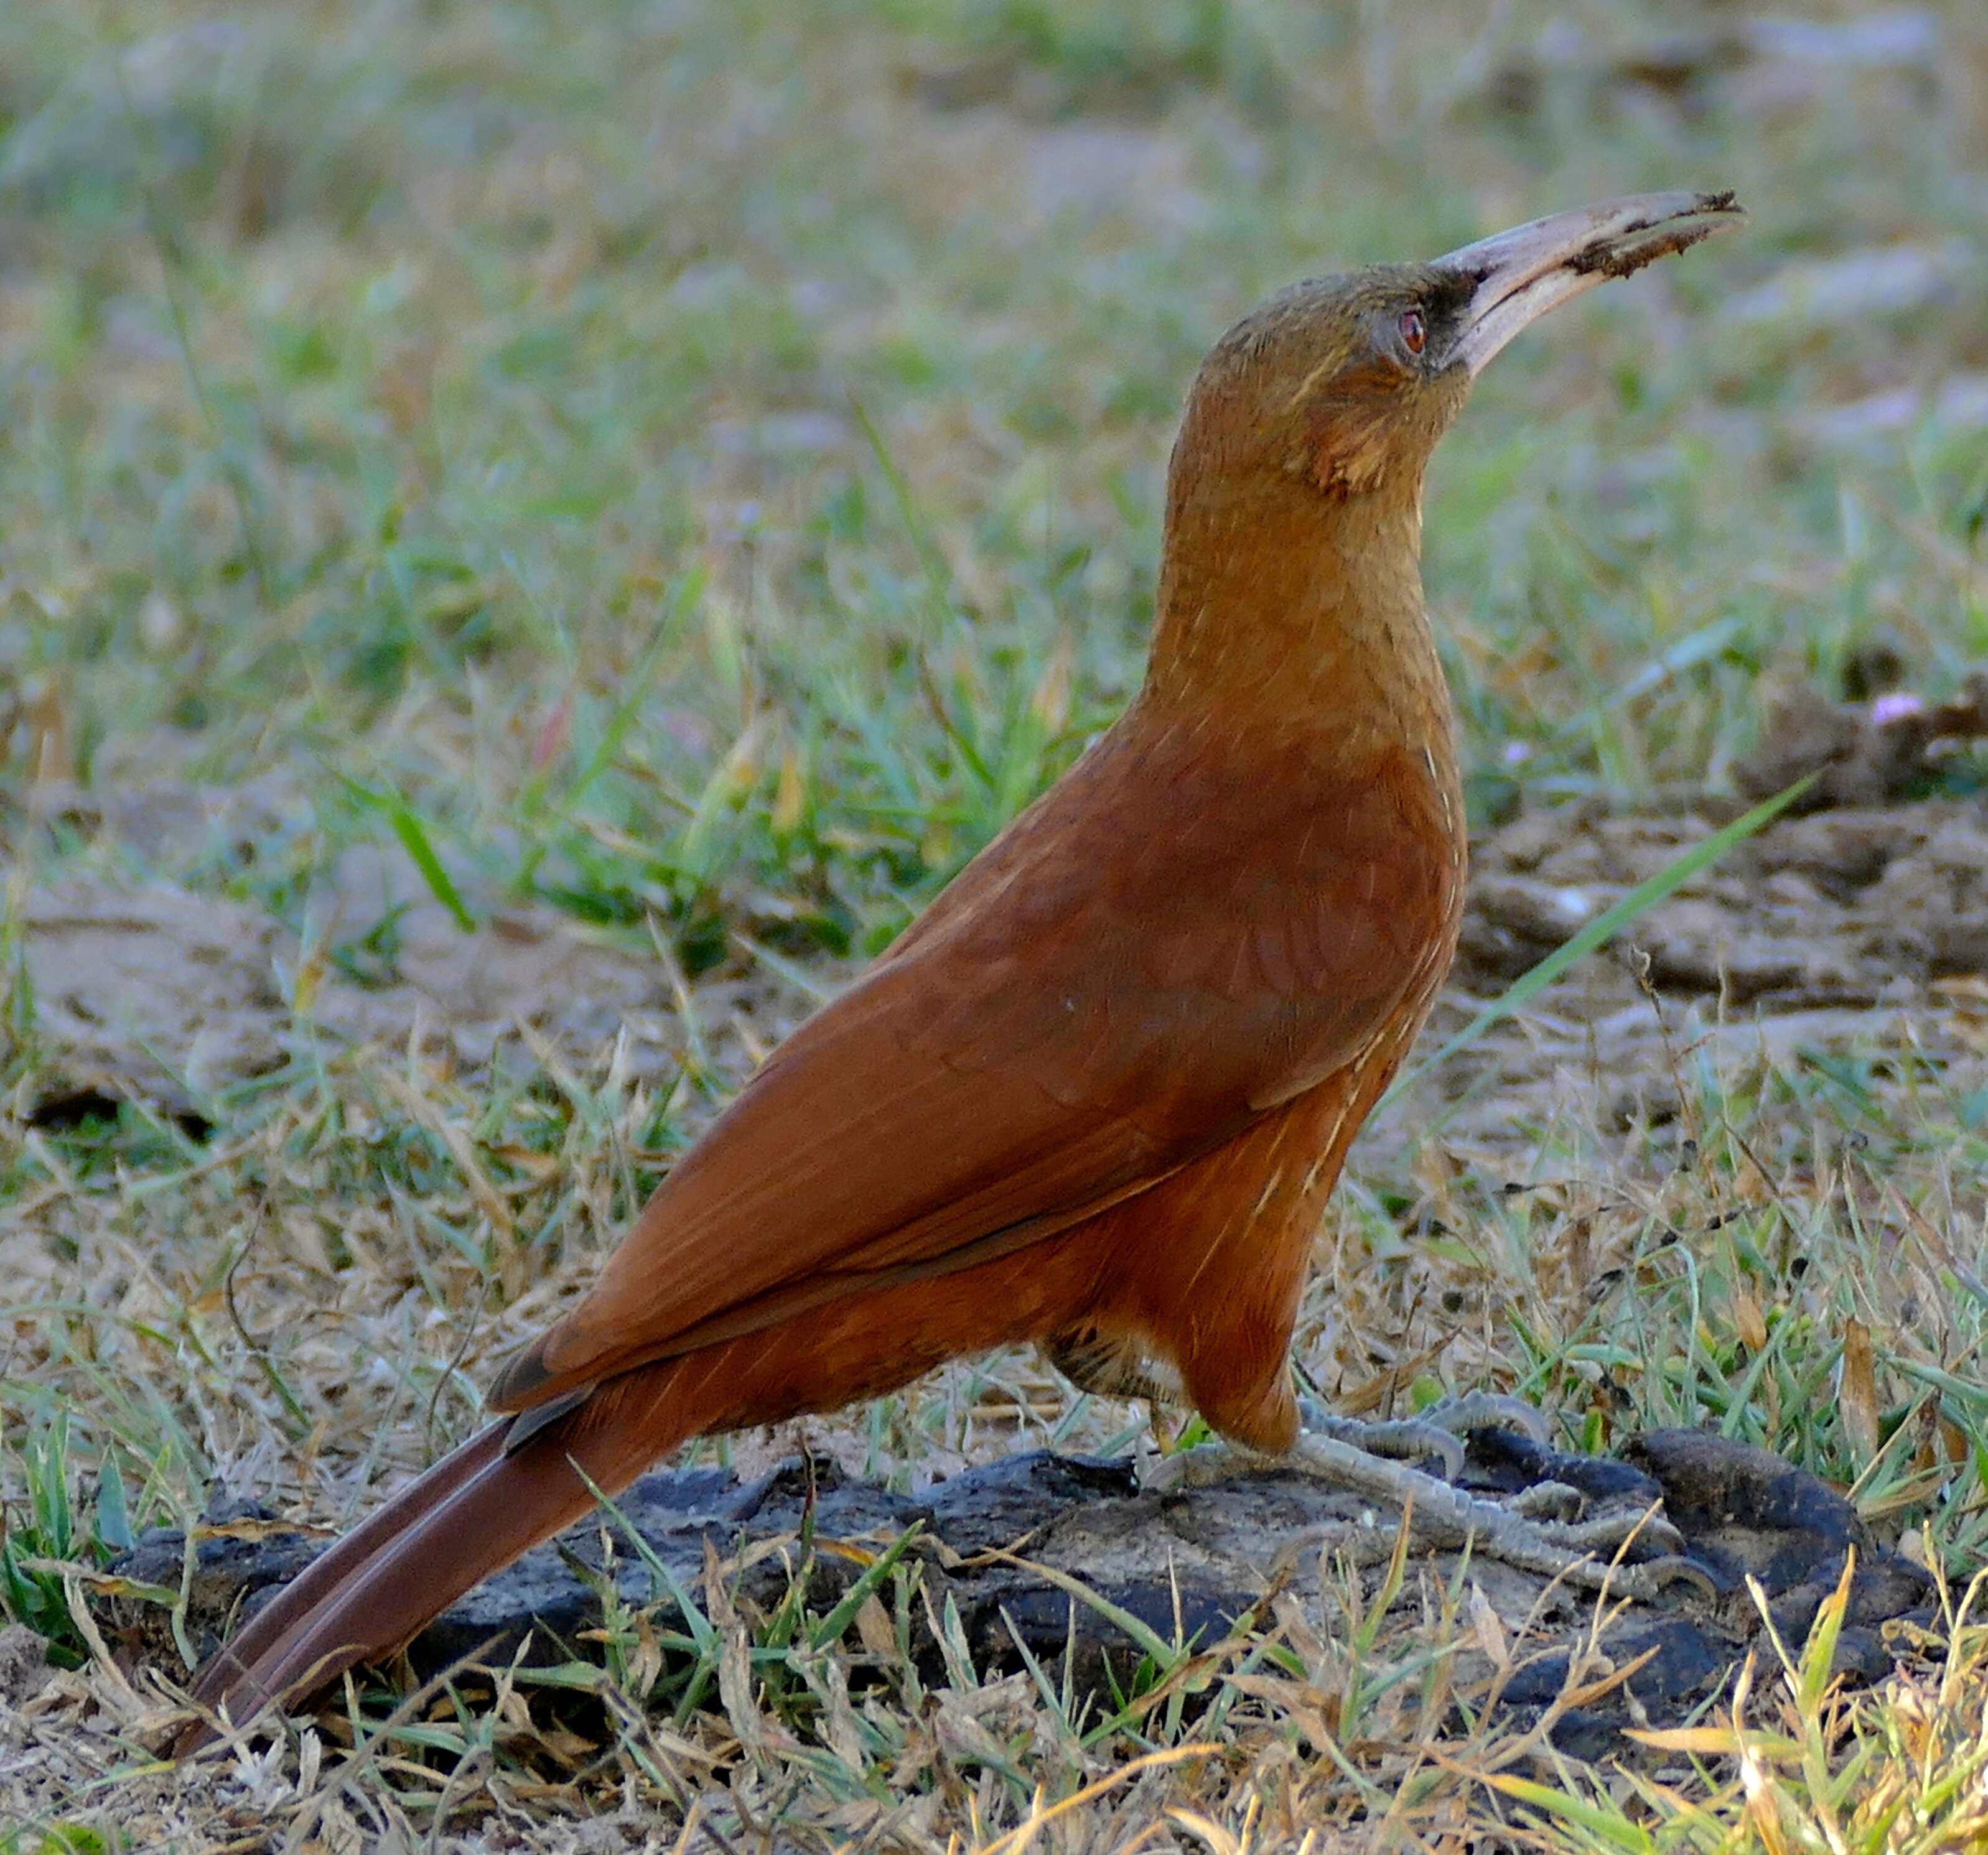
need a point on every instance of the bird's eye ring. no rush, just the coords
(1414, 332)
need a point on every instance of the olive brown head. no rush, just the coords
(1351, 379)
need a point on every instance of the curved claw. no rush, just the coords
(1609, 1530)
(1456, 1415)
(1553, 1501)
(1674, 1567)
(1395, 1439)
(1488, 1411)
(1436, 1431)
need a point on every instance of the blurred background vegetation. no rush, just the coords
(702, 462)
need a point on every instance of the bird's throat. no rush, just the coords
(1288, 610)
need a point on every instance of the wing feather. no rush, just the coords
(1106, 992)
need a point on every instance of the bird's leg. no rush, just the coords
(1534, 1533)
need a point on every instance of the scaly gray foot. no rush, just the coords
(1438, 1431)
(1448, 1517)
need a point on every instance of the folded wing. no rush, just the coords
(1084, 1011)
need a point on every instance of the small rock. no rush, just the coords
(1197, 1561)
(24, 1666)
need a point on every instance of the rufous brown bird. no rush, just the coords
(1096, 1097)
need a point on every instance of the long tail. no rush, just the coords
(469, 1516)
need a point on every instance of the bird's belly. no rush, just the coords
(1216, 1256)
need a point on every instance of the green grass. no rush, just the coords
(665, 464)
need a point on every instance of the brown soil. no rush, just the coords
(145, 990)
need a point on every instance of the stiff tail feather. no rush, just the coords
(469, 1516)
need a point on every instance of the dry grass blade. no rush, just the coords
(1040, 1816)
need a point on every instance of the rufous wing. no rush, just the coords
(1172, 941)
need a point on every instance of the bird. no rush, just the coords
(1096, 1096)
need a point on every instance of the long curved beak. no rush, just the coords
(1519, 275)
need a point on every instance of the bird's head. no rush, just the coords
(1346, 383)
(1291, 574)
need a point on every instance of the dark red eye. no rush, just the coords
(1414, 335)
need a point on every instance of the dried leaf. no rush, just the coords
(874, 1629)
(1857, 1390)
(1489, 1632)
